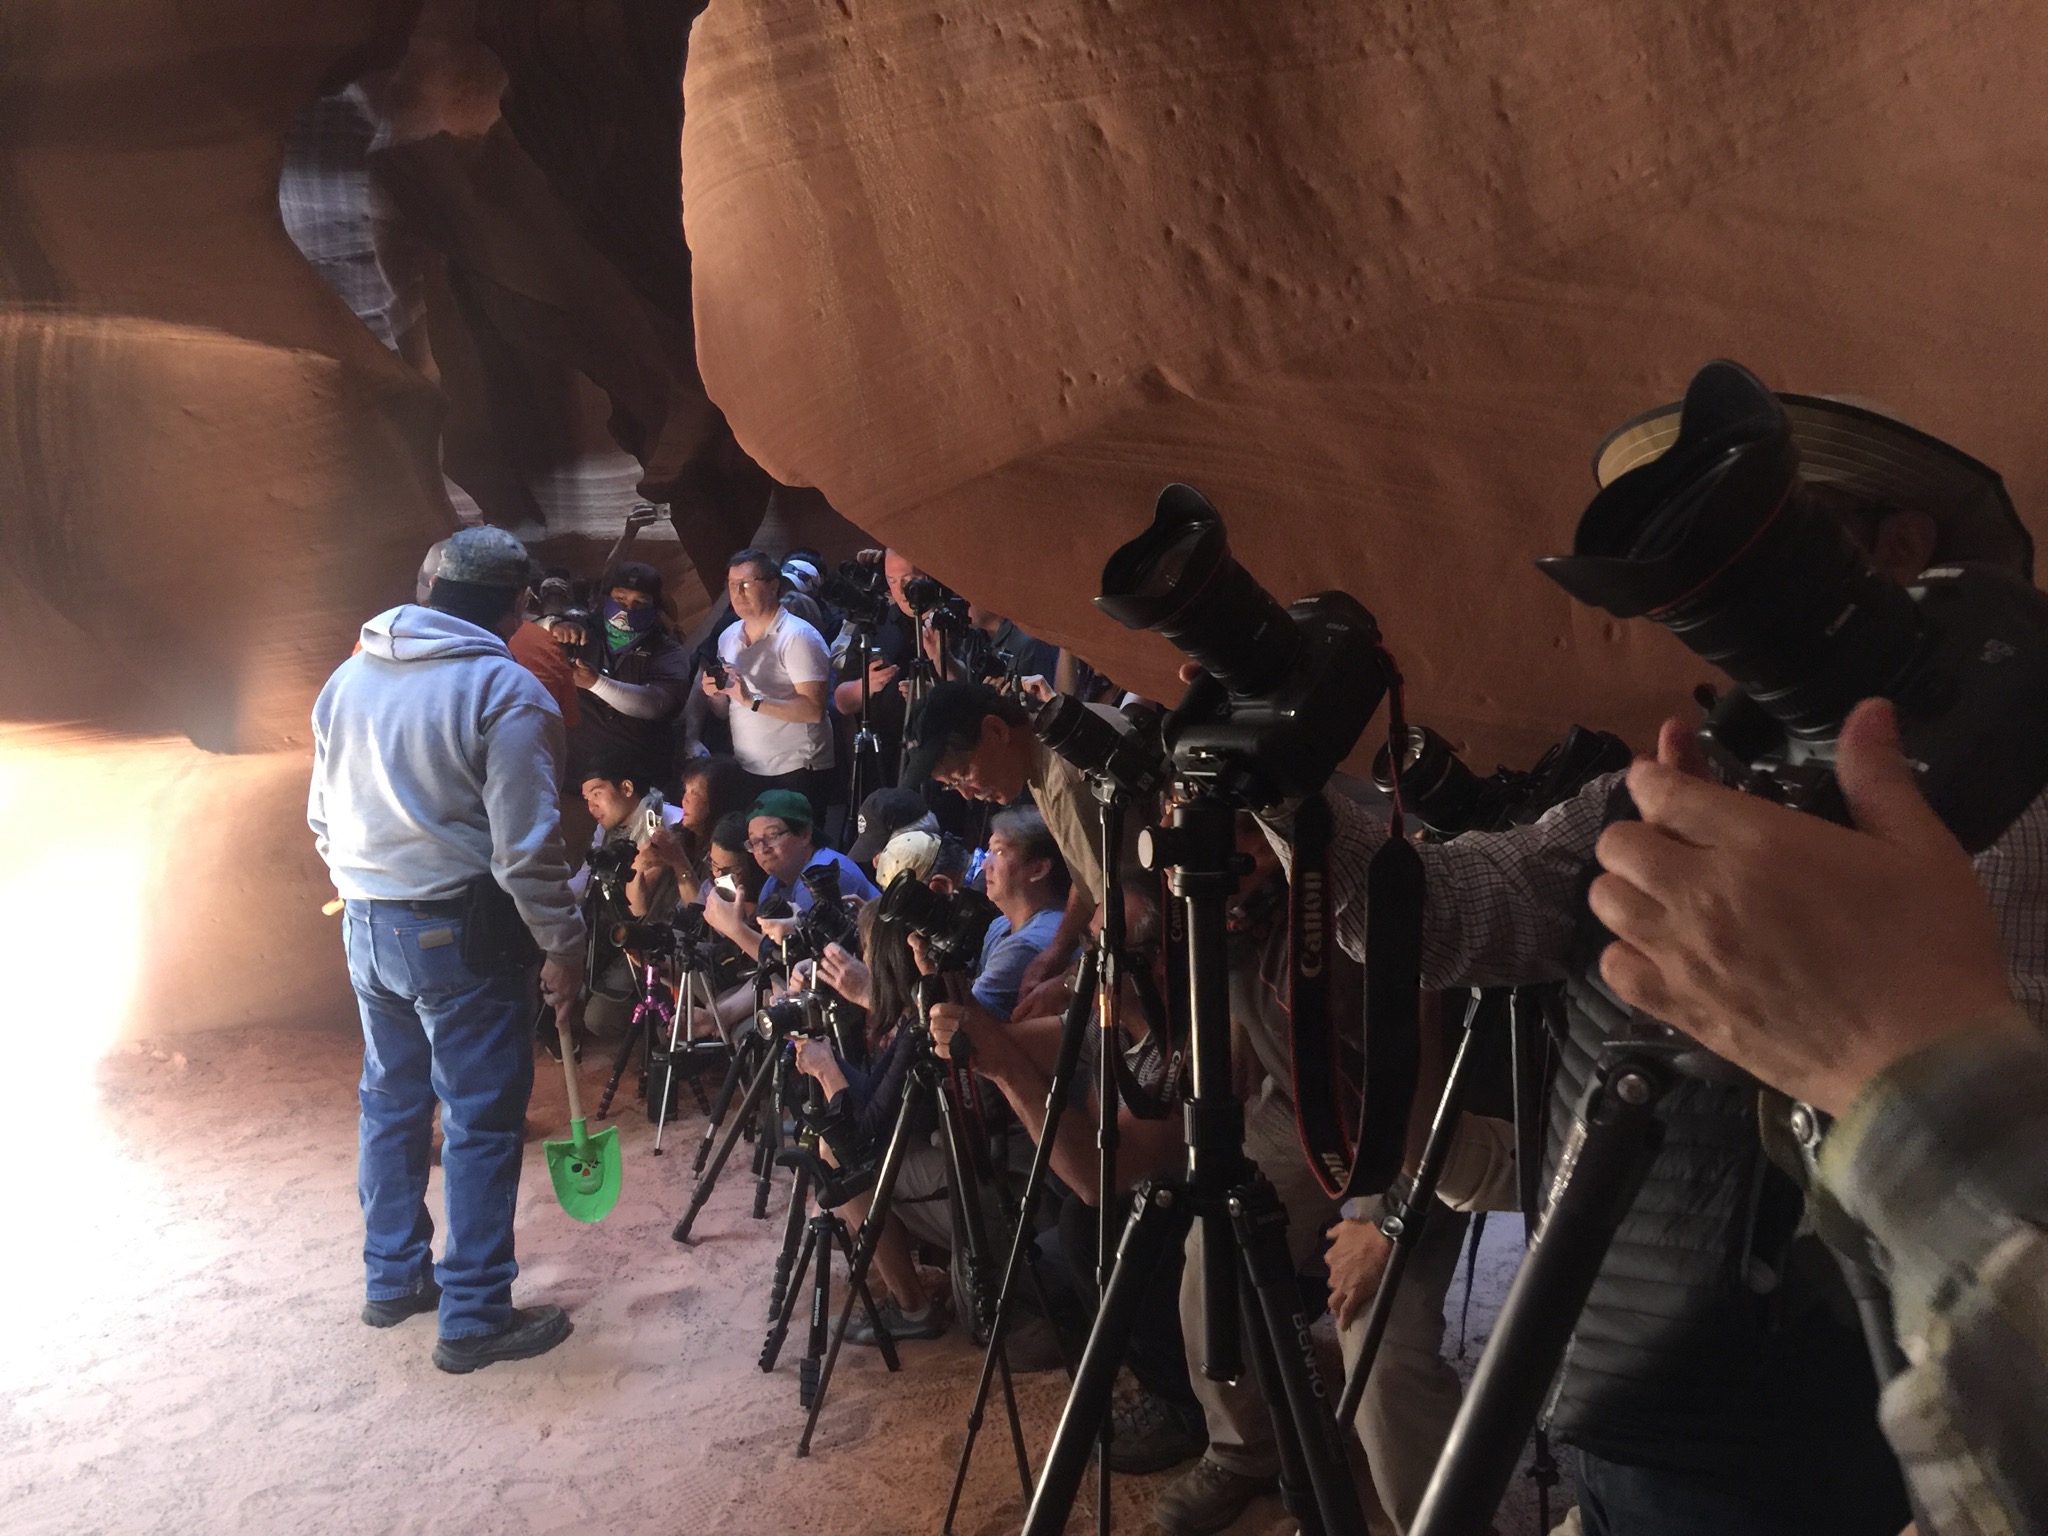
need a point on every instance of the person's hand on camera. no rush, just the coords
(1810, 954)
(920, 954)
(968, 1018)
(881, 675)
(662, 850)
(584, 674)
(1357, 1258)
(847, 975)
(1036, 689)
(566, 632)
(776, 928)
(933, 643)
(816, 1059)
(724, 915)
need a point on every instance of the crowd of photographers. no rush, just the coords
(858, 796)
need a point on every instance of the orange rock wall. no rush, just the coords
(1377, 279)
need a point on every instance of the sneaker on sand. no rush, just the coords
(1148, 1434)
(932, 1325)
(532, 1331)
(393, 1310)
(1206, 1498)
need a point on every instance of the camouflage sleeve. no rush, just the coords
(1943, 1160)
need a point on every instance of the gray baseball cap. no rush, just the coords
(485, 557)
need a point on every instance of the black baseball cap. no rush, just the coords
(949, 720)
(882, 815)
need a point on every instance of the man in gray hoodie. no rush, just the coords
(433, 803)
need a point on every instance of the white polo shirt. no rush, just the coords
(790, 652)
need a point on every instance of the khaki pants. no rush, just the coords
(1413, 1394)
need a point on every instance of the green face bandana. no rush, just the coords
(622, 626)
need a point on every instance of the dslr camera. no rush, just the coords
(953, 925)
(1284, 692)
(1722, 542)
(860, 590)
(1449, 798)
(830, 918)
(1123, 746)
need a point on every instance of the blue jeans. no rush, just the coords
(435, 1029)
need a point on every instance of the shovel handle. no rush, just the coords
(569, 1080)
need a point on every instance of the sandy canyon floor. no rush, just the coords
(182, 1352)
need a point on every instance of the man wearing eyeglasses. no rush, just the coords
(780, 836)
(775, 676)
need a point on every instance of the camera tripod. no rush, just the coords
(1488, 1013)
(760, 1111)
(670, 1009)
(1099, 988)
(928, 1077)
(808, 1242)
(864, 775)
(1247, 1276)
(1602, 1166)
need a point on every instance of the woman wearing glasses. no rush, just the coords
(772, 691)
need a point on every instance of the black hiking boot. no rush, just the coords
(532, 1331)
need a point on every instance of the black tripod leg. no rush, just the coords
(1606, 1157)
(792, 1235)
(1156, 1221)
(756, 1092)
(1021, 1240)
(971, 1232)
(619, 1061)
(1315, 1480)
(1486, 1012)
(792, 1286)
(863, 1253)
(769, 1145)
(885, 1341)
(735, 1074)
(821, 1311)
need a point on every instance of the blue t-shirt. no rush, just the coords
(851, 882)
(1005, 954)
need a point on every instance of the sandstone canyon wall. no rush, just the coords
(214, 469)
(1376, 278)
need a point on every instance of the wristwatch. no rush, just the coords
(1391, 1215)
(756, 705)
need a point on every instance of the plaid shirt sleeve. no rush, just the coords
(1942, 1160)
(1498, 908)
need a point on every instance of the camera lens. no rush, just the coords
(1178, 577)
(1435, 783)
(913, 903)
(822, 881)
(1721, 543)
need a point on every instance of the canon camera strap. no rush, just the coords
(1364, 1162)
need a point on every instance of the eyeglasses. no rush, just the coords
(767, 840)
(746, 586)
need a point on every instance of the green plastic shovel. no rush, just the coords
(585, 1168)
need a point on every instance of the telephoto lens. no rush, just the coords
(1285, 692)
(1721, 542)
(953, 925)
(1179, 578)
(1125, 750)
(1435, 783)
(648, 938)
(1729, 541)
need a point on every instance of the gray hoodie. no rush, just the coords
(434, 758)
